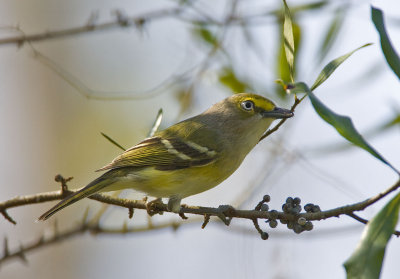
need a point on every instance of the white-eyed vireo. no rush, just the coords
(189, 157)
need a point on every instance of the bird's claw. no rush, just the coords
(152, 207)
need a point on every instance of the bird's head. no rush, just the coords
(245, 114)
(252, 106)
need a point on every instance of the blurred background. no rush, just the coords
(57, 95)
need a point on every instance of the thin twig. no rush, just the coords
(119, 21)
(199, 210)
(216, 48)
(365, 221)
(276, 127)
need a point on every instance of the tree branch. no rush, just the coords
(227, 211)
(224, 212)
(280, 123)
(120, 21)
(81, 228)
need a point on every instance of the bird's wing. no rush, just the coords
(163, 154)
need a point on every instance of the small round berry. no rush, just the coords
(298, 229)
(296, 200)
(289, 200)
(264, 207)
(266, 198)
(285, 208)
(273, 223)
(316, 209)
(264, 236)
(308, 207)
(301, 221)
(296, 209)
(308, 226)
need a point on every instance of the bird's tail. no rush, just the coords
(95, 186)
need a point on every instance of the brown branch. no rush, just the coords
(120, 21)
(227, 212)
(365, 221)
(95, 228)
(206, 221)
(81, 228)
(280, 123)
(224, 213)
(7, 217)
(40, 243)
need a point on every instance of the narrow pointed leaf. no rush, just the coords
(392, 58)
(366, 261)
(288, 40)
(343, 124)
(332, 33)
(113, 141)
(332, 66)
(229, 79)
(309, 6)
(205, 35)
(282, 65)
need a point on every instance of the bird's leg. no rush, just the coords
(152, 208)
(174, 204)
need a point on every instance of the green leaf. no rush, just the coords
(376, 131)
(283, 68)
(392, 58)
(332, 66)
(228, 78)
(309, 6)
(366, 260)
(288, 40)
(343, 124)
(332, 33)
(295, 9)
(205, 35)
(112, 141)
(386, 125)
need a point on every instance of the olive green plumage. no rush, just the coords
(189, 157)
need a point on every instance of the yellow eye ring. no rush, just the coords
(247, 105)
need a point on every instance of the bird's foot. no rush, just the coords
(152, 207)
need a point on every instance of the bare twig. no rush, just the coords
(199, 210)
(280, 123)
(205, 63)
(365, 221)
(206, 221)
(91, 26)
(8, 217)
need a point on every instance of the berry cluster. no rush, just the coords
(292, 206)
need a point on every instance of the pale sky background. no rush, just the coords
(48, 127)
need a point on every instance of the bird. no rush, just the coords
(189, 157)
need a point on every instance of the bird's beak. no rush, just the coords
(277, 113)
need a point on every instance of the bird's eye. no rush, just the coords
(247, 105)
